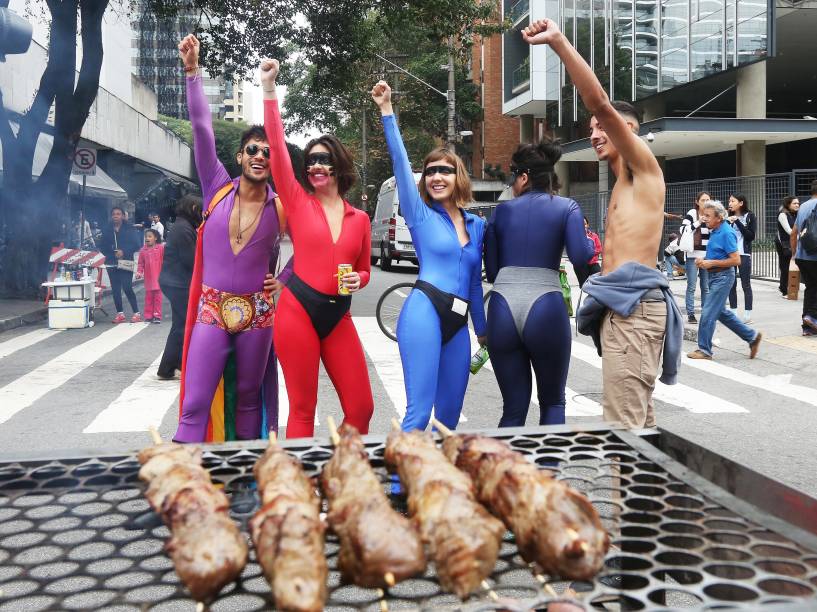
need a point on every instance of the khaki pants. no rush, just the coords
(631, 351)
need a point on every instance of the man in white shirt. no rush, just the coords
(156, 224)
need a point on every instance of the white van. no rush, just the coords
(391, 240)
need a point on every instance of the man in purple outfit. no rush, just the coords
(230, 311)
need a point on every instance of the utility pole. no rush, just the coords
(452, 102)
(364, 160)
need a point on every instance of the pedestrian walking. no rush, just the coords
(119, 243)
(149, 269)
(593, 266)
(722, 256)
(786, 217)
(174, 281)
(745, 224)
(528, 324)
(804, 246)
(672, 265)
(694, 235)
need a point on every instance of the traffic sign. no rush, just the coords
(84, 161)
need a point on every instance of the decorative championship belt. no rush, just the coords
(234, 312)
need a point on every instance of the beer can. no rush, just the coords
(343, 269)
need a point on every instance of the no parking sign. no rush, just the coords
(84, 161)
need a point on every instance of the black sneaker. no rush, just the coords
(691, 319)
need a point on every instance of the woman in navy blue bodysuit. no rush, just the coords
(528, 323)
(432, 331)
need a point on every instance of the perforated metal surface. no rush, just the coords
(77, 534)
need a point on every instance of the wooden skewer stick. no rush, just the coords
(574, 535)
(273, 437)
(444, 431)
(389, 579)
(333, 430)
(549, 590)
(395, 424)
(157, 439)
(491, 593)
(384, 605)
(200, 606)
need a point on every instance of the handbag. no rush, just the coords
(123, 264)
(686, 242)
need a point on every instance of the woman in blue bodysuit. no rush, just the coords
(432, 331)
(527, 319)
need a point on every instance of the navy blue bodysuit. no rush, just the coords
(528, 323)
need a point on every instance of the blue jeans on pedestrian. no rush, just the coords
(693, 273)
(669, 262)
(715, 310)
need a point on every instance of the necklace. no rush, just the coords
(240, 234)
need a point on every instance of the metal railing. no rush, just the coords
(764, 194)
(519, 10)
(521, 74)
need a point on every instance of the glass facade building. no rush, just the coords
(637, 48)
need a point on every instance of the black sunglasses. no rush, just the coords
(252, 150)
(444, 170)
(315, 159)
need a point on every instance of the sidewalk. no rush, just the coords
(16, 313)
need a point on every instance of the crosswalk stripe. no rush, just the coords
(679, 395)
(385, 356)
(143, 403)
(766, 383)
(24, 391)
(25, 340)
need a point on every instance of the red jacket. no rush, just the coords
(596, 247)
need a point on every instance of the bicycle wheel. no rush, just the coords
(389, 306)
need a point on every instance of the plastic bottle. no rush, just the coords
(479, 359)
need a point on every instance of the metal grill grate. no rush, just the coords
(77, 534)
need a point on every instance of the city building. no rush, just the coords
(727, 86)
(155, 61)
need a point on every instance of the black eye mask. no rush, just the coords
(320, 159)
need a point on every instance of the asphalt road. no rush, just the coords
(95, 389)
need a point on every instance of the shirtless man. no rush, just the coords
(630, 311)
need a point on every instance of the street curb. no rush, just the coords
(24, 319)
(38, 315)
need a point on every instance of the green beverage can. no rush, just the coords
(479, 359)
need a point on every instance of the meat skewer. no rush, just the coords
(378, 546)
(556, 527)
(206, 546)
(463, 538)
(288, 533)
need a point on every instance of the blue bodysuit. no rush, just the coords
(527, 319)
(435, 373)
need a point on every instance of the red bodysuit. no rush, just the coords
(298, 345)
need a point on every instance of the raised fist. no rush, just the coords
(381, 93)
(269, 72)
(189, 51)
(541, 32)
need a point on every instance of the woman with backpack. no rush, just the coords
(744, 223)
(697, 235)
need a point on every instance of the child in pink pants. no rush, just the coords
(150, 266)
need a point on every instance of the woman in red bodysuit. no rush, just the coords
(312, 322)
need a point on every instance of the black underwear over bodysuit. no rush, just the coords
(450, 321)
(324, 310)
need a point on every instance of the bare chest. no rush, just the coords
(244, 220)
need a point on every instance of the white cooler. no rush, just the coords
(71, 304)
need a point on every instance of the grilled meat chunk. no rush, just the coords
(463, 538)
(555, 526)
(288, 534)
(374, 539)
